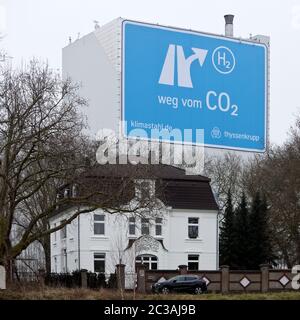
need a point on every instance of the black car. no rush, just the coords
(186, 283)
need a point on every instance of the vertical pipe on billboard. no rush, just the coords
(229, 25)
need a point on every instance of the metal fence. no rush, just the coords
(79, 279)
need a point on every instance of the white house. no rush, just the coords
(183, 231)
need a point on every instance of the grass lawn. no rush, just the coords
(104, 294)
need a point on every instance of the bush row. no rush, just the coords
(73, 280)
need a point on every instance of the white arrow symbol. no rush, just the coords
(200, 54)
(183, 66)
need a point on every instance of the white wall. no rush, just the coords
(181, 245)
(94, 62)
(115, 241)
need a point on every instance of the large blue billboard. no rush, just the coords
(178, 79)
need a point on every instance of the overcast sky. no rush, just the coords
(40, 28)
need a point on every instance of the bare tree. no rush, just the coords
(47, 196)
(226, 173)
(40, 137)
(42, 146)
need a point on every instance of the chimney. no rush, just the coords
(229, 25)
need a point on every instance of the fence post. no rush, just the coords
(120, 270)
(41, 277)
(224, 279)
(183, 269)
(264, 269)
(83, 274)
(2, 278)
(141, 278)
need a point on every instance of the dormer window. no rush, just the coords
(74, 190)
(59, 197)
(67, 193)
(144, 189)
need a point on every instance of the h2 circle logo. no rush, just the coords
(223, 60)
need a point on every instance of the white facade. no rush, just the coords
(30, 260)
(94, 62)
(189, 237)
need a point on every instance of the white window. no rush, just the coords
(193, 262)
(193, 228)
(54, 234)
(144, 189)
(99, 224)
(99, 262)
(63, 231)
(158, 226)
(55, 264)
(67, 193)
(150, 261)
(74, 190)
(132, 226)
(145, 228)
(64, 261)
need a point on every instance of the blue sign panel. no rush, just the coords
(177, 79)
